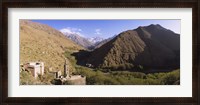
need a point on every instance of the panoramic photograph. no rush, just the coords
(99, 52)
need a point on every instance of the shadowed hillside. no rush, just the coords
(152, 47)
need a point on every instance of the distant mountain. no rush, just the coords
(95, 40)
(78, 39)
(100, 43)
(40, 42)
(145, 47)
(88, 43)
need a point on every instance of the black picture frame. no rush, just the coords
(194, 4)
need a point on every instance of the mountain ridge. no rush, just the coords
(150, 47)
(79, 40)
(88, 43)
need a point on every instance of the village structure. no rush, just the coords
(67, 78)
(37, 68)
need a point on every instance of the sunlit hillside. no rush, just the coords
(39, 42)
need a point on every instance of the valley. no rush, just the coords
(138, 56)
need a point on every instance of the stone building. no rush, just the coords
(36, 68)
(68, 79)
(57, 74)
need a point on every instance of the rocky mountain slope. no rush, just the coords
(88, 43)
(145, 47)
(84, 42)
(39, 42)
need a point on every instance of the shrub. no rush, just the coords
(26, 78)
(171, 78)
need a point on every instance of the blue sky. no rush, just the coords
(106, 28)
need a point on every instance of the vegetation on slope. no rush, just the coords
(108, 77)
(39, 42)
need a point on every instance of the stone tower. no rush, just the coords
(66, 70)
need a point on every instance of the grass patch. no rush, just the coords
(106, 77)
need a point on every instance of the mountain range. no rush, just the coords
(150, 47)
(87, 43)
(79, 40)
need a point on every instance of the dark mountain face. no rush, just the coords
(151, 47)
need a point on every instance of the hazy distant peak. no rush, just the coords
(95, 39)
(77, 38)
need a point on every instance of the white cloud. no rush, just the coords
(79, 29)
(70, 30)
(98, 32)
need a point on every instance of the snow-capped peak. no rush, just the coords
(95, 39)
